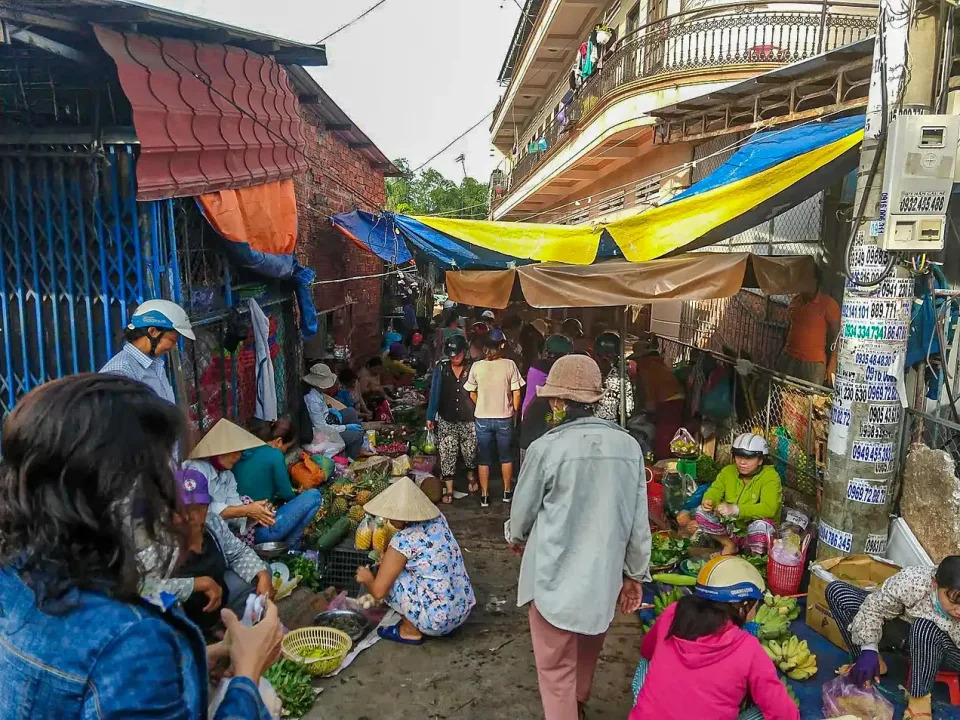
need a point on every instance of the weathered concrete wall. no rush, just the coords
(931, 500)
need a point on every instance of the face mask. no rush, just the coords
(935, 599)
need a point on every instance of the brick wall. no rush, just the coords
(324, 249)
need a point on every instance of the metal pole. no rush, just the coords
(623, 366)
(864, 445)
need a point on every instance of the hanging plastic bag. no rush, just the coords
(430, 443)
(683, 443)
(843, 697)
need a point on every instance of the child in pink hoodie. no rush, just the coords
(709, 674)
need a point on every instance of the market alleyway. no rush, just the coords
(483, 671)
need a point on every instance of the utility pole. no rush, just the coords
(863, 450)
(462, 159)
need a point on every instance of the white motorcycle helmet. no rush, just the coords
(162, 314)
(750, 445)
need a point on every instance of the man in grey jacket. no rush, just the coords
(580, 517)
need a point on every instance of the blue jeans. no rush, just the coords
(292, 519)
(494, 432)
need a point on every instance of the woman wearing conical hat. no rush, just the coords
(422, 575)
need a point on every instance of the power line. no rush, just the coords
(351, 22)
(524, 13)
(447, 146)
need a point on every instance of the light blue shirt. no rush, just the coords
(136, 365)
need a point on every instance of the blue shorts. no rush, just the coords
(494, 432)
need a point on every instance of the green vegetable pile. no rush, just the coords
(317, 653)
(758, 561)
(661, 602)
(306, 569)
(707, 469)
(667, 550)
(293, 686)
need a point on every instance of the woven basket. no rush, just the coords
(311, 637)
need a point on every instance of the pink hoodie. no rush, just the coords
(709, 677)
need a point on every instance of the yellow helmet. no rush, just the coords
(728, 578)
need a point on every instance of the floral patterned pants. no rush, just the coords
(454, 438)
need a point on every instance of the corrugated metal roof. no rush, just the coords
(208, 116)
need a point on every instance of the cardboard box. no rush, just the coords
(864, 571)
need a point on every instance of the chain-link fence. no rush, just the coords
(792, 415)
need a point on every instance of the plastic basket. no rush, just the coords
(311, 637)
(340, 566)
(785, 579)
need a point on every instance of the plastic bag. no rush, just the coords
(306, 473)
(683, 443)
(363, 539)
(843, 697)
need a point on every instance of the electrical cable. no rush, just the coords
(447, 146)
(523, 12)
(351, 22)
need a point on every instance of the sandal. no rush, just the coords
(392, 633)
(446, 498)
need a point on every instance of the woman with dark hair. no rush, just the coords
(926, 597)
(262, 475)
(85, 480)
(699, 644)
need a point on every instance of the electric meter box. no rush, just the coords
(917, 181)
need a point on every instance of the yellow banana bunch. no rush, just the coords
(793, 657)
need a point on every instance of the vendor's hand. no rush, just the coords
(356, 427)
(707, 504)
(866, 669)
(209, 587)
(260, 512)
(218, 656)
(365, 576)
(430, 424)
(516, 549)
(728, 510)
(265, 584)
(254, 649)
(336, 415)
(631, 596)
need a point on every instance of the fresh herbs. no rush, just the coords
(667, 550)
(306, 569)
(293, 686)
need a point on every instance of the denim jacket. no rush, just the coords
(106, 659)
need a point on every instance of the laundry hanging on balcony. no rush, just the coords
(773, 172)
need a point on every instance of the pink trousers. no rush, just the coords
(565, 665)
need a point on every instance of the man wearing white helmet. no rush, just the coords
(742, 508)
(153, 331)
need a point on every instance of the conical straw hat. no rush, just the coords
(402, 501)
(224, 438)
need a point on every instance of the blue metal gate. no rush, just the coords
(77, 253)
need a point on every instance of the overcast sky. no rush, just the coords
(413, 74)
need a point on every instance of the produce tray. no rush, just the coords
(339, 566)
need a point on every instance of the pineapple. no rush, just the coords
(363, 540)
(356, 514)
(381, 536)
(363, 497)
(340, 507)
(378, 486)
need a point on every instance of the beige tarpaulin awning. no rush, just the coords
(690, 276)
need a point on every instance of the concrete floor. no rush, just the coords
(485, 670)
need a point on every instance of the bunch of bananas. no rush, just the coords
(664, 600)
(784, 606)
(793, 657)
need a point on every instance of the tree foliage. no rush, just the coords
(427, 192)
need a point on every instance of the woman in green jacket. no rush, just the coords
(742, 508)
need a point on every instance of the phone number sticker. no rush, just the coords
(873, 452)
(883, 414)
(863, 256)
(893, 331)
(867, 492)
(840, 415)
(883, 468)
(876, 544)
(930, 201)
(842, 541)
(882, 309)
(847, 391)
(875, 432)
(873, 358)
(878, 374)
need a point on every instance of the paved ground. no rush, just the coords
(485, 670)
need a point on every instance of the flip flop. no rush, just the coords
(392, 633)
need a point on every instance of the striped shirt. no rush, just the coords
(136, 365)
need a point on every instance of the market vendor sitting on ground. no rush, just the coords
(742, 507)
(215, 568)
(395, 369)
(262, 474)
(350, 395)
(335, 427)
(606, 349)
(451, 413)
(422, 575)
(810, 352)
(214, 457)
(698, 647)
(928, 598)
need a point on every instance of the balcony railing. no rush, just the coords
(711, 38)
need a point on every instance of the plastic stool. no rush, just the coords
(948, 678)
